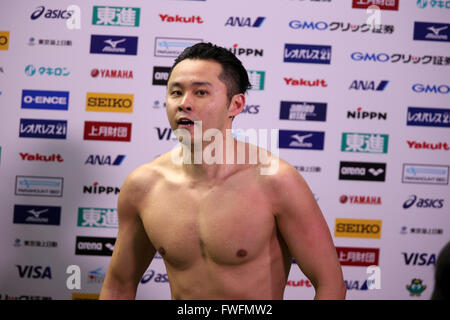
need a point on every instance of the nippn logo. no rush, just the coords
(351, 228)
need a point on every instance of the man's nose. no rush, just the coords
(186, 103)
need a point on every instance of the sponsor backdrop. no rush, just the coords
(360, 98)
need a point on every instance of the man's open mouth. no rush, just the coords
(185, 122)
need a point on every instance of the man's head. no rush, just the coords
(233, 74)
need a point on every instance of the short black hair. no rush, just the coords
(233, 72)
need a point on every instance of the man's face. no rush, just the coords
(195, 93)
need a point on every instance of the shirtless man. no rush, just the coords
(225, 231)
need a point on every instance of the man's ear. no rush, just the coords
(237, 104)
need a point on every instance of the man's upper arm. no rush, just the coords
(133, 250)
(304, 229)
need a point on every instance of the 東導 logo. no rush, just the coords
(97, 218)
(364, 142)
(116, 16)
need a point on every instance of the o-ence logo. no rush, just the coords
(4, 40)
(49, 100)
(352, 228)
(109, 102)
(94, 246)
(362, 171)
(160, 75)
(359, 257)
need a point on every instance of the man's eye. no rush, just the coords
(202, 92)
(175, 93)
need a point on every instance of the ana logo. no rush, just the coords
(4, 40)
(107, 131)
(423, 203)
(51, 13)
(304, 53)
(116, 16)
(428, 117)
(39, 186)
(180, 19)
(362, 171)
(362, 285)
(94, 246)
(97, 218)
(364, 142)
(239, 51)
(34, 272)
(101, 160)
(43, 215)
(55, 157)
(245, 22)
(123, 45)
(160, 75)
(305, 83)
(367, 200)
(50, 100)
(360, 114)
(306, 140)
(95, 188)
(425, 174)
(383, 5)
(428, 146)
(374, 57)
(421, 88)
(359, 257)
(369, 85)
(431, 31)
(112, 74)
(109, 102)
(257, 79)
(40, 128)
(416, 287)
(351, 228)
(303, 111)
(419, 259)
(172, 47)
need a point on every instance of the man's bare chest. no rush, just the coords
(227, 225)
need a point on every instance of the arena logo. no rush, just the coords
(123, 45)
(370, 115)
(55, 157)
(94, 246)
(116, 16)
(374, 57)
(39, 186)
(107, 131)
(425, 174)
(358, 199)
(180, 19)
(362, 171)
(109, 102)
(51, 13)
(32, 214)
(96, 188)
(358, 257)
(300, 82)
(419, 259)
(101, 160)
(305, 53)
(49, 100)
(97, 218)
(160, 75)
(305, 140)
(432, 31)
(427, 88)
(112, 73)
(352, 228)
(245, 22)
(428, 145)
(365, 142)
(240, 51)
(423, 203)
(368, 85)
(382, 5)
(428, 117)
(34, 272)
(303, 111)
(172, 47)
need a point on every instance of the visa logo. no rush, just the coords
(34, 272)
